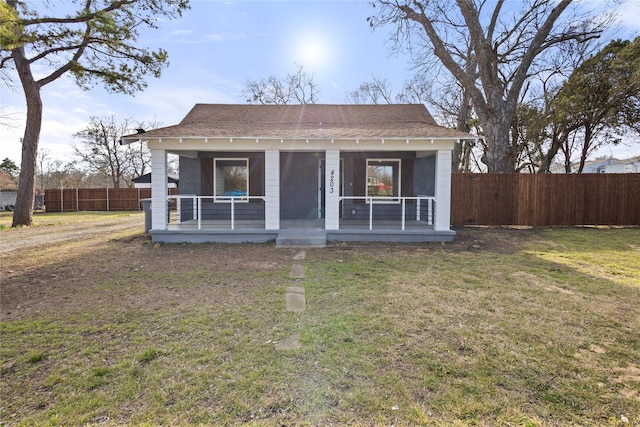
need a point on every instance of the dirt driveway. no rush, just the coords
(20, 238)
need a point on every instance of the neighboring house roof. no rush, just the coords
(7, 182)
(146, 179)
(630, 165)
(308, 121)
(611, 165)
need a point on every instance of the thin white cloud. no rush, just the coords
(59, 125)
(629, 15)
(225, 36)
(207, 38)
(214, 37)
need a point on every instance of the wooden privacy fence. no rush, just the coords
(545, 200)
(476, 199)
(96, 199)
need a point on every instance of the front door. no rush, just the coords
(298, 185)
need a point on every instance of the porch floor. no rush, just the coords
(299, 232)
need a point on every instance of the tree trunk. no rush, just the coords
(588, 135)
(556, 142)
(462, 124)
(456, 156)
(566, 150)
(466, 158)
(23, 213)
(496, 134)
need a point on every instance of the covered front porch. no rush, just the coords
(307, 198)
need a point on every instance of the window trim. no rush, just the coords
(220, 198)
(397, 197)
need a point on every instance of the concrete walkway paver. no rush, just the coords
(295, 300)
(297, 271)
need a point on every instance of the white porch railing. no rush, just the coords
(390, 200)
(371, 201)
(196, 202)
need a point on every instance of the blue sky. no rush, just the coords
(216, 47)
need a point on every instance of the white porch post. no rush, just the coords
(443, 190)
(158, 190)
(332, 190)
(272, 189)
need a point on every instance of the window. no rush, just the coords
(383, 180)
(231, 178)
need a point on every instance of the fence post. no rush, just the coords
(61, 200)
(107, 198)
(77, 200)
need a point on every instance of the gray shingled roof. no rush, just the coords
(308, 121)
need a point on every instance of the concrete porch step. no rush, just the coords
(301, 238)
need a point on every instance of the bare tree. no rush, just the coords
(302, 87)
(377, 91)
(506, 44)
(297, 88)
(452, 107)
(102, 153)
(65, 175)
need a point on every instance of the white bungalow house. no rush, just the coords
(304, 174)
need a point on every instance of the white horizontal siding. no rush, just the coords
(443, 190)
(158, 190)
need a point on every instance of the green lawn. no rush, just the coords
(499, 327)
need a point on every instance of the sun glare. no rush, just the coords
(312, 52)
